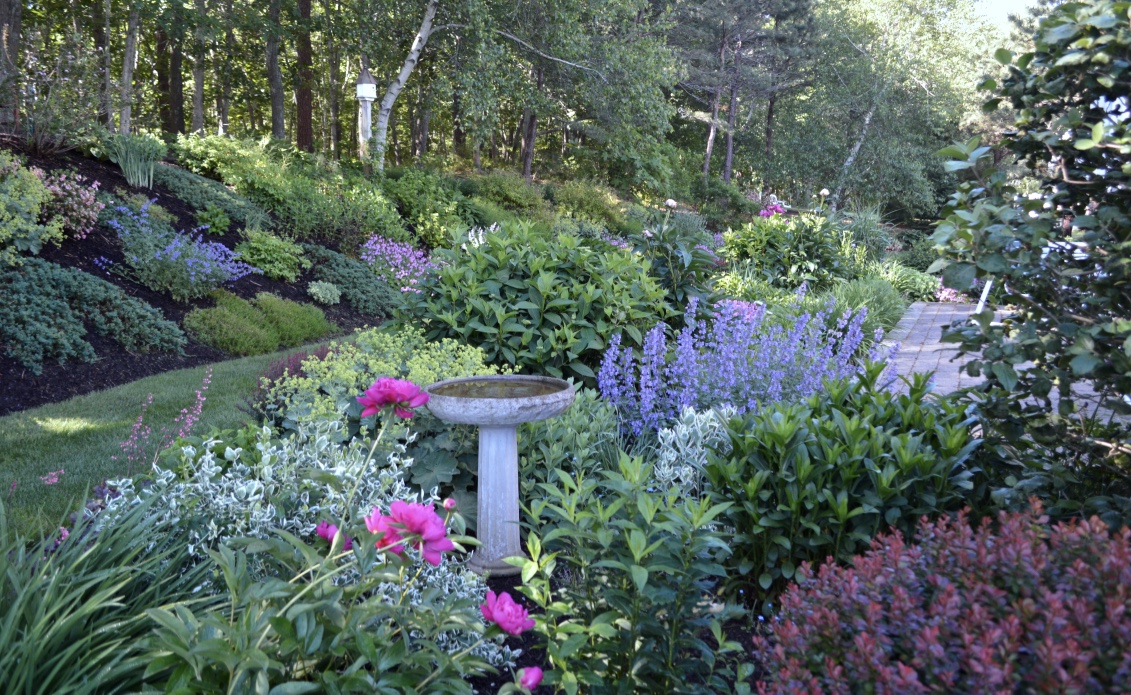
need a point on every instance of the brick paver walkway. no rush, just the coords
(919, 334)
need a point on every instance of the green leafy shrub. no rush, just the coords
(201, 193)
(920, 256)
(324, 292)
(46, 308)
(157, 212)
(213, 220)
(821, 478)
(590, 202)
(680, 257)
(866, 225)
(365, 292)
(428, 205)
(511, 191)
(137, 155)
(884, 303)
(544, 305)
(278, 258)
(915, 285)
(22, 197)
(722, 205)
(791, 250)
(583, 439)
(74, 606)
(262, 325)
(624, 575)
(313, 202)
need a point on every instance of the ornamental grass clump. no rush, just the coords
(1012, 607)
(736, 359)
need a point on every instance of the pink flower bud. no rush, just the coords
(449, 504)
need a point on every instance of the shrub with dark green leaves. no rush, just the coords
(262, 325)
(920, 255)
(200, 193)
(365, 292)
(546, 306)
(587, 201)
(680, 257)
(511, 191)
(820, 478)
(722, 205)
(278, 258)
(46, 307)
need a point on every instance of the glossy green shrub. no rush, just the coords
(511, 191)
(624, 576)
(582, 439)
(913, 284)
(22, 196)
(365, 292)
(278, 258)
(920, 255)
(680, 257)
(791, 250)
(46, 309)
(821, 478)
(545, 306)
(428, 205)
(199, 193)
(262, 325)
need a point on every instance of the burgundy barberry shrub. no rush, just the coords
(1020, 608)
(73, 201)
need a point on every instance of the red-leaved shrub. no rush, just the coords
(1023, 608)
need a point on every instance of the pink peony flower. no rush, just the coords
(508, 615)
(402, 395)
(530, 677)
(421, 520)
(449, 504)
(379, 523)
(327, 531)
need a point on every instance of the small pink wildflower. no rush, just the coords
(52, 477)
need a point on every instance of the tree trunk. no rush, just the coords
(530, 133)
(177, 86)
(11, 17)
(274, 74)
(835, 199)
(108, 79)
(711, 130)
(770, 124)
(198, 69)
(304, 99)
(732, 110)
(335, 81)
(398, 83)
(396, 142)
(224, 101)
(425, 121)
(128, 61)
(458, 138)
(164, 97)
(475, 158)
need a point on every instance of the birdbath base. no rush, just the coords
(497, 523)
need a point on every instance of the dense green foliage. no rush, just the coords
(365, 292)
(22, 195)
(1063, 257)
(136, 155)
(788, 251)
(264, 324)
(46, 309)
(213, 220)
(428, 205)
(278, 258)
(822, 477)
(544, 305)
(201, 193)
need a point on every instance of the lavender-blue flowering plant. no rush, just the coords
(735, 359)
(165, 260)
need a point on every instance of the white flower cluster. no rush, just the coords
(477, 236)
(682, 450)
(292, 484)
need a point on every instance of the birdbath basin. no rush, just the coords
(498, 405)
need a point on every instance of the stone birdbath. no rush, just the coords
(498, 405)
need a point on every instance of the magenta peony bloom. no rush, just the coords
(402, 395)
(421, 520)
(327, 531)
(508, 615)
(530, 677)
(379, 523)
(449, 504)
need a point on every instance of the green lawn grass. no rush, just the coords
(81, 435)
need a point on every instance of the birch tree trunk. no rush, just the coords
(128, 61)
(838, 191)
(274, 74)
(397, 84)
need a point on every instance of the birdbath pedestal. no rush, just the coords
(498, 405)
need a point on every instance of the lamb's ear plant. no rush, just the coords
(72, 606)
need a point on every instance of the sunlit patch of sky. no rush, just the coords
(998, 11)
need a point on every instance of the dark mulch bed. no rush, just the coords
(20, 389)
